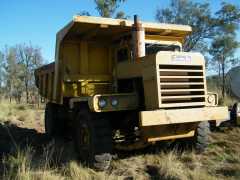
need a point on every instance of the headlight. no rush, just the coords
(102, 103)
(211, 99)
(114, 102)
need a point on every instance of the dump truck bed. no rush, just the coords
(44, 80)
(86, 39)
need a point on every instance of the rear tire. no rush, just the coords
(93, 139)
(53, 125)
(233, 114)
(201, 138)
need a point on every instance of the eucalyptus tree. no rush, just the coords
(225, 44)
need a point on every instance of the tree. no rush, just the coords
(84, 13)
(30, 58)
(13, 74)
(107, 8)
(17, 65)
(224, 44)
(121, 15)
(217, 29)
(1, 68)
(1, 72)
(197, 15)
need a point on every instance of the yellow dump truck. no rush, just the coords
(125, 84)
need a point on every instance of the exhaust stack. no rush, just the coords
(138, 37)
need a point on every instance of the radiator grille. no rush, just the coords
(181, 85)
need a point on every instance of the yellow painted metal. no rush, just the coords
(85, 54)
(171, 137)
(168, 132)
(176, 116)
(172, 67)
(170, 79)
(126, 101)
(86, 70)
(44, 78)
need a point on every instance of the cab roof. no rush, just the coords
(87, 27)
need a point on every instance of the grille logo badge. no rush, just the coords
(181, 58)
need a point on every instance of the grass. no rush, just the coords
(163, 165)
(21, 115)
(54, 160)
(22, 166)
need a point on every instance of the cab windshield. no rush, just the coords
(154, 48)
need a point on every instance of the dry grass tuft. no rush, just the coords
(22, 166)
(21, 115)
(165, 165)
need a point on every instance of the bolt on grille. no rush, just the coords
(181, 85)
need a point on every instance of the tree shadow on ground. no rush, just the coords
(14, 139)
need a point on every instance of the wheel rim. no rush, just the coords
(84, 136)
(84, 143)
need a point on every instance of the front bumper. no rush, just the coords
(176, 116)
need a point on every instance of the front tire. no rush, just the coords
(93, 139)
(201, 138)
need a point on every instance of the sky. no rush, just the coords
(37, 22)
